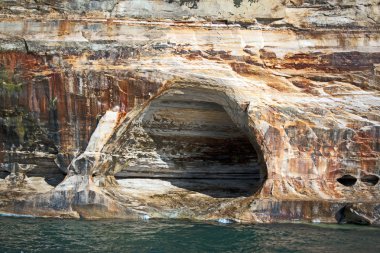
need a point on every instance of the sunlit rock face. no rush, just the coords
(255, 111)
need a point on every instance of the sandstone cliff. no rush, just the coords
(250, 110)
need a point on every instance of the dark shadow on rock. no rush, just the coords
(3, 174)
(219, 188)
(339, 216)
(360, 214)
(54, 180)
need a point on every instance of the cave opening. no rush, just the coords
(31, 166)
(347, 180)
(193, 143)
(370, 180)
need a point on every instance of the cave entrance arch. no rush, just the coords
(198, 140)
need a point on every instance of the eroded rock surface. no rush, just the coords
(255, 111)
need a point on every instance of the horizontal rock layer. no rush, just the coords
(251, 114)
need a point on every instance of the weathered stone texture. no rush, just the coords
(256, 111)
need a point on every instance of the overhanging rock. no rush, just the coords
(256, 111)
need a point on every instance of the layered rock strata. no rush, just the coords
(254, 111)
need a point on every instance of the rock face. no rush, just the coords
(252, 110)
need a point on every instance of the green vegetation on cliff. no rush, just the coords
(7, 82)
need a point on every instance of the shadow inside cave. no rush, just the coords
(4, 174)
(54, 180)
(194, 145)
(17, 164)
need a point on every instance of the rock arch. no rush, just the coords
(196, 138)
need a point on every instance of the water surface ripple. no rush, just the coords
(55, 235)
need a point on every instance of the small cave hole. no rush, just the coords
(339, 216)
(370, 179)
(3, 174)
(347, 180)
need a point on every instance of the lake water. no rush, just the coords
(55, 235)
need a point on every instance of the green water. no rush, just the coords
(54, 235)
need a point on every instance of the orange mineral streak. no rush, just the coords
(22, 61)
(306, 84)
(65, 27)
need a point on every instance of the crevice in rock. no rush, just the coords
(26, 46)
(347, 180)
(370, 180)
